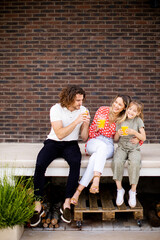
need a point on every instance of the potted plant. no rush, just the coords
(16, 206)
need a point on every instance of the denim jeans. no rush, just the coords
(100, 149)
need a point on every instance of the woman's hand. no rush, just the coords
(141, 135)
(134, 140)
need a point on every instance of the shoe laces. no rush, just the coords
(120, 192)
(132, 195)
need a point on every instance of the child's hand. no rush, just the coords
(120, 132)
(130, 131)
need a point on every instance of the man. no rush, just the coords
(67, 122)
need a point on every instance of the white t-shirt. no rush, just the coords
(58, 113)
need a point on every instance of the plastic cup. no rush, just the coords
(85, 113)
(124, 130)
(101, 122)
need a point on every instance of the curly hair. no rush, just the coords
(68, 94)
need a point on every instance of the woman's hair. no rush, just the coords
(140, 107)
(68, 94)
(126, 100)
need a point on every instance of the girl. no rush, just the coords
(127, 150)
(100, 145)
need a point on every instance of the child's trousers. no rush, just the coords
(100, 148)
(134, 164)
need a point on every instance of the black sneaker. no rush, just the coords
(35, 220)
(66, 214)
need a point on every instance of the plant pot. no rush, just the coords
(14, 233)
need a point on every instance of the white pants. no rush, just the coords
(100, 149)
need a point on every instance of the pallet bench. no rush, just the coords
(104, 203)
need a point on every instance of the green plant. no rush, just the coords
(16, 201)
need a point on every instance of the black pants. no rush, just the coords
(70, 151)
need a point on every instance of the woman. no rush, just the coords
(100, 144)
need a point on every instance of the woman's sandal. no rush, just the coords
(94, 189)
(74, 201)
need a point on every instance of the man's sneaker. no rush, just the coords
(66, 214)
(120, 197)
(36, 218)
(132, 199)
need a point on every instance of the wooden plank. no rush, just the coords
(138, 204)
(106, 200)
(138, 214)
(93, 205)
(78, 216)
(123, 207)
(108, 216)
(81, 202)
(107, 204)
(89, 210)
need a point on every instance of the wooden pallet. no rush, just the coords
(104, 203)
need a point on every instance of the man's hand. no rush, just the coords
(85, 126)
(86, 119)
(83, 118)
(79, 119)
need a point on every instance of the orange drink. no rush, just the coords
(101, 121)
(85, 113)
(124, 130)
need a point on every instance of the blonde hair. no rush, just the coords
(140, 107)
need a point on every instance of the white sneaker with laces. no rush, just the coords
(132, 199)
(120, 197)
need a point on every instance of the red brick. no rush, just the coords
(107, 48)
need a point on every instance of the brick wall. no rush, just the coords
(107, 47)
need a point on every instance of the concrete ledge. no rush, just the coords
(20, 159)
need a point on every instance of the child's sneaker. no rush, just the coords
(120, 197)
(132, 199)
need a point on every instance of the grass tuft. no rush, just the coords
(16, 202)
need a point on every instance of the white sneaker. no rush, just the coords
(132, 199)
(120, 197)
